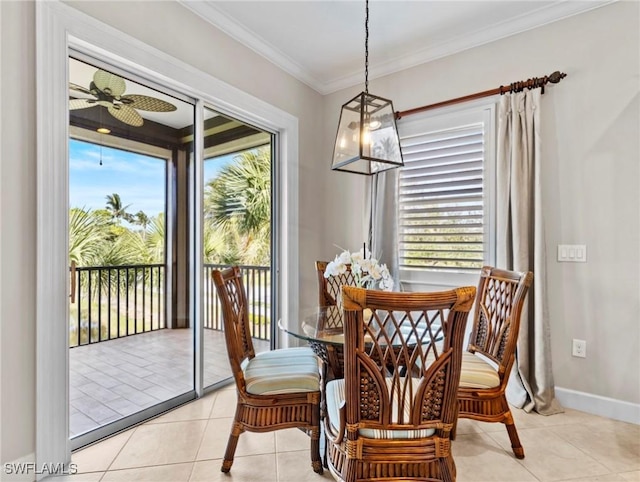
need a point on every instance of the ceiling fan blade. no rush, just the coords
(126, 114)
(144, 102)
(109, 83)
(75, 104)
(79, 88)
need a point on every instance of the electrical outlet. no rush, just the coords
(579, 348)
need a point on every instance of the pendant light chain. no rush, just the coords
(367, 140)
(366, 49)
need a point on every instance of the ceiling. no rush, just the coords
(321, 43)
(81, 73)
(222, 135)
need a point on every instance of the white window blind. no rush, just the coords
(441, 221)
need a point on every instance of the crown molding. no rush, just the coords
(538, 18)
(216, 17)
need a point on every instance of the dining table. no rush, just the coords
(321, 327)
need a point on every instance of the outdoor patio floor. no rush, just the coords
(112, 379)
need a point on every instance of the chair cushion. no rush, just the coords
(335, 396)
(477, 373)
(288, 370)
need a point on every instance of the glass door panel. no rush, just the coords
(237, 208)
(130, 336)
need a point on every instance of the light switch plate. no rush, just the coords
(572, 253)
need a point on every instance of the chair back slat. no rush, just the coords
(498, 311)
(402, 366)
(330, 294)
(235, 315)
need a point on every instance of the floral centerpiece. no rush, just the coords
(366, 270)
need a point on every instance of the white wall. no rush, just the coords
(17, 230)
(591, 174)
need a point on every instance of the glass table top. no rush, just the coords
(325, 325)
(319, 324)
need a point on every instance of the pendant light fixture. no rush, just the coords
(367, 141)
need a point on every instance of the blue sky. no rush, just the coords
(138, 179)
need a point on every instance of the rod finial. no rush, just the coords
(556, 77)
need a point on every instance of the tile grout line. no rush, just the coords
(275, 453)
(548, 428)
(275, 459)
(121, 449)
(195, 458)
(144, 467)
(510, 452)
(109, 469)
(214, 395)
(559, 435)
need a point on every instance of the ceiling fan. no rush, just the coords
(107, 90)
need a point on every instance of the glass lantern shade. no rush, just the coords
(367, 141)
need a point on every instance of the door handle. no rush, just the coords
(73, 282)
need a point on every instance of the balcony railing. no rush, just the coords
(257, 282)
(117, 301)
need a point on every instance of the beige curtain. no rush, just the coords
(382, 201)
(520, 245)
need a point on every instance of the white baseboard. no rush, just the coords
(10, 470)
(598, 405)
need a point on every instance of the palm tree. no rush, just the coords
(238, 202)
(115, 207)
(143, 220)
(87, 236)
(222, 245)
(154, 239)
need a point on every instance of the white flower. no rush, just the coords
(343, 258)
(356, 258)
(374, 271)
(335, 268)
(366, 270)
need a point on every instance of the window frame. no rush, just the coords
(482, 110)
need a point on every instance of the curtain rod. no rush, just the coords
(512, 87)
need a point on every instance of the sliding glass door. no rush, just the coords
(131, 337)
(237, 230)
(135, 222)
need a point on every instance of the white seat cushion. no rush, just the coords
(477, 373)
(335, 397)
(288, 370)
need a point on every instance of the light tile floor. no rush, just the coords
(112, 379)
(187, 444)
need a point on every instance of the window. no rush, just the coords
(445, 219)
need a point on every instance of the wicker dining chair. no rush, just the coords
(329, 294)
(391, 416)
(276, 389)
(483, 381)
